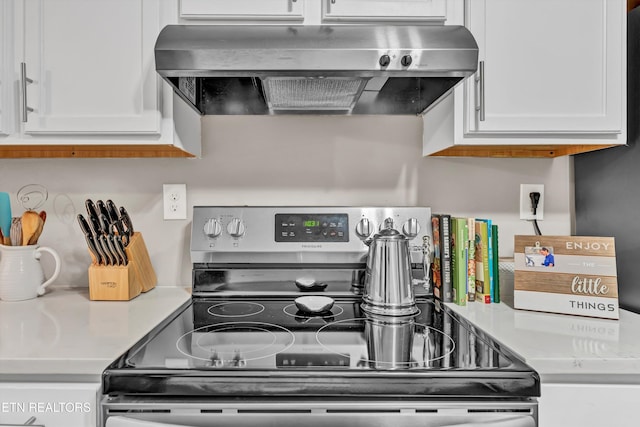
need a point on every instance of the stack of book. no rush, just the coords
(465, 259)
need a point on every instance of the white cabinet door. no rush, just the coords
(332, 10)
(579, 405)
(92, 66)
(52, 404)
(6, 67)
(242, 9)
(550, 67)
(384, 10)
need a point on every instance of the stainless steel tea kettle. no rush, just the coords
(388, 287)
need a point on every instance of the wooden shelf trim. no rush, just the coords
(504, 151)
(90, 151)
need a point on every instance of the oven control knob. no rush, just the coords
(212, 228)
(411, 228)
(406, 60)
(387, 223)
(236, 228)
(364, 228)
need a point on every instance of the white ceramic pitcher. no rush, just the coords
(21, 275)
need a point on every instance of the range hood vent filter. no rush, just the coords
(320, 94)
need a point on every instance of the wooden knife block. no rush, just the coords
(123, 282)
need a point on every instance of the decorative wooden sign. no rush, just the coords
(566, 274)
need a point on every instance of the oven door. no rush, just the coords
(322, 414)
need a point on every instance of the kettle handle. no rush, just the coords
(426, 262)
(56, 272)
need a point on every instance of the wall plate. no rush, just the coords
(175, 201)
(526, 212)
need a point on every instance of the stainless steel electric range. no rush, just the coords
(242, 353)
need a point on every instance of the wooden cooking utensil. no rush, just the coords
(34, 239)
(30, 224)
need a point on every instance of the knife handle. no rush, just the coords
(91, 243)
(92, 211)
(109, 259)
(95, 225)
(84, 225)
(118, 260)
(119, 244)
(104, 224)
(112, 211)
(102, 209)
(126, 219)
(117, 228)
(103, 256)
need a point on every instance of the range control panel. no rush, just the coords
(276, 234)
(312, 227)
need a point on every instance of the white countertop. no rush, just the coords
(564, 348)
(63, 333)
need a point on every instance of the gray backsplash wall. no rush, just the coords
(285, 161)
(607, 183)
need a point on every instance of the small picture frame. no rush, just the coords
(566, 274)
(539, 256)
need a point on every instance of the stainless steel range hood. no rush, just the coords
(342, 69)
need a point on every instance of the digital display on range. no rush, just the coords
(312, 227)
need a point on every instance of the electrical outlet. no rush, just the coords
(175, 201)
(526, 212)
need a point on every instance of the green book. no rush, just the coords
(490, 269)
(459, 251)
(482, 262)
(496, 264)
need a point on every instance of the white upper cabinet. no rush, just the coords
(549, 66)
(78, 79)
(552, 76)
(242, 9)
(89, 67)
(313, 12)
(6, 58)
(384, 10)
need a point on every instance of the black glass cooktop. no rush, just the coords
(267, 346)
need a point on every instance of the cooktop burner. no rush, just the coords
(232, 344)
(396, 344)
(235, 309)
